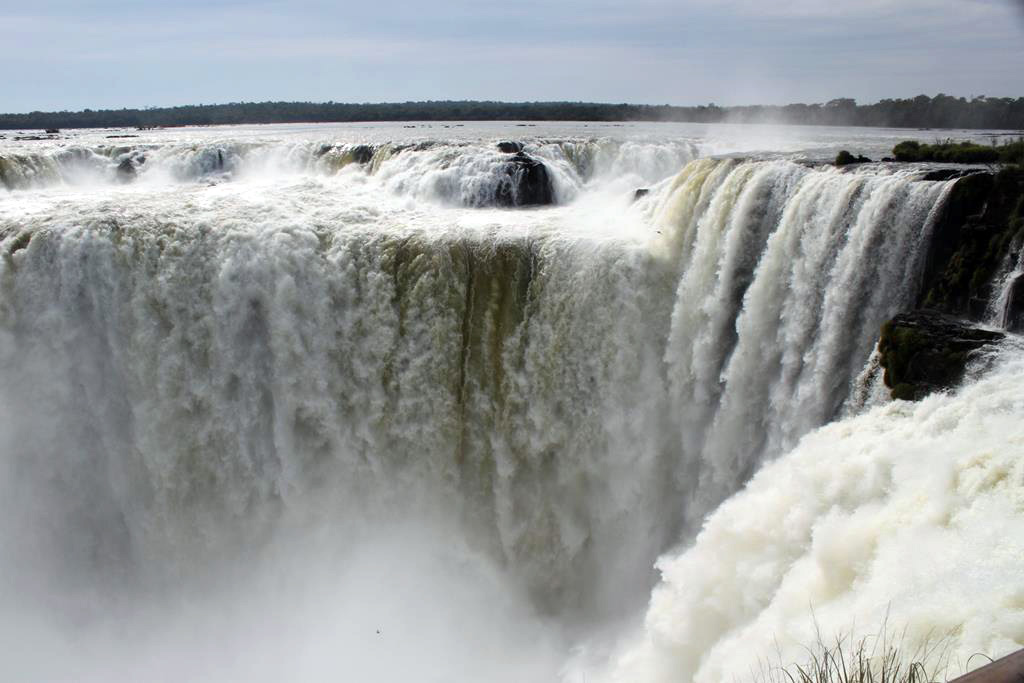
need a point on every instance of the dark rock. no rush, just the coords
(510, 147)
(73, 155)
(528, 183)
(53, 131)
(925, 351)
(948, 173)
(361, 154)
(416, 146)
(844, 158)
(20, 242)
(642, 192)
(979, 228)
(1013, 313)
(126, 171)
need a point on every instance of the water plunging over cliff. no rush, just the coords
(354, 393)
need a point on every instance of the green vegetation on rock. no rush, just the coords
(844, 158)
(978, 232)
(981, 223)
(960, 152)
(927, 351)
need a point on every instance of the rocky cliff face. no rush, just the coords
(925, 351)
(975, 247)
(978, 231)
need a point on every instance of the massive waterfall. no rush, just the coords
(313, 404)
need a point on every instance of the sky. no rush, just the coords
(75, 54)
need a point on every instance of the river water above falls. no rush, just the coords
(393, 404)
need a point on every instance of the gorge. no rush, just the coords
(363, 403)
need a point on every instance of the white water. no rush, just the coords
(251, 421)
(452, 172)
(910, 517)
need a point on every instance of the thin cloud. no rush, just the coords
(120, 53)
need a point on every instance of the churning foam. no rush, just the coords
(911, 514)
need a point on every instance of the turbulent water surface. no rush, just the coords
(313, 403)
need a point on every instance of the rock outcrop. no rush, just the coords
(361, 154)
(126, 171)
(1013, 311)
(979, 230)
(926, 351)
(844, 158)
(528, 183)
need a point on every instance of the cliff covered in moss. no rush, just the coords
(974, 249)
(978, 232)
(926, 351)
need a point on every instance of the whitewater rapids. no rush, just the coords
(904, 525)
(312, 410)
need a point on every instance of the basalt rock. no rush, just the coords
(510, 147)
(926, 351)
(528, 183)
(642, 192)
(1013, 312)
(361, 154)
(126, 171)
(979, 231)
(949, 173)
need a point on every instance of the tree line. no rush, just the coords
(941, 111)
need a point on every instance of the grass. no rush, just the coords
(961, 152)
(872, 659)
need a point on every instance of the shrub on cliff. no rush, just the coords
(961, 152)
(844, 158)
(908, 150)
(1013, 152)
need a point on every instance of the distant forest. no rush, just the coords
(941, 111)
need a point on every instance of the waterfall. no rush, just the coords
(789, 276)
(194, 380)
(445, 171)
(901, 526)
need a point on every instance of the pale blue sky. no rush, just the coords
(72, 54)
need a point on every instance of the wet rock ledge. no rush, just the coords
(527, 183)
(978, 234)
(925, 351)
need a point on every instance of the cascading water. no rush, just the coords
(454, 172)
(335, 413)
(788, 274)
(902, 526)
